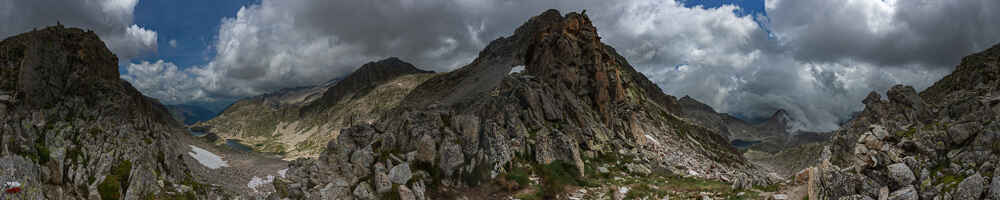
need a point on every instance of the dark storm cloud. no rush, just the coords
(887, 33)
(823, 58)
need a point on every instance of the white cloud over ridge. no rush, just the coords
(823, 58)
(112, 20)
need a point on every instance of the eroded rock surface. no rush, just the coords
(936, 144)
(576, 101)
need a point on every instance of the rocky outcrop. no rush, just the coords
(933, 145)
(363, 81)
(295, 122)
(71, 129)
(577, 101)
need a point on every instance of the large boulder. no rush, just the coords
(901, 174)
(970, 188)
(906, 193)
(905, 95)
(406, 194)
(400, 174)
(995, 186)
(364, 191)
(962, 132)
(382, 183)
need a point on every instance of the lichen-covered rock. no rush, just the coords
(638, 169)
(855, 197)
(400, 174)
(335, 191)
(970, 188)
(901, 174)
(962, 132)
(904, 193)
(995, 184)
(364, 191)
(419, 190)
(406, 194)
(944, 132)
(382, 183)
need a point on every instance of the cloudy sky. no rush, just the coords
(814, 58)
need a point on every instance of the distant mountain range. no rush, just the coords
(190, 114)
(295, 122)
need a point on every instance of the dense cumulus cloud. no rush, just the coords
(815, 59)
(110, 19)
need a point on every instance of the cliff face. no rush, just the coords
(71, 129)
(576, 105)
(296, 122)
(942, 143)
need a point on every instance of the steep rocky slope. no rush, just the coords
(71, 129)
(296, 122)
(578, 114)
(942, 143)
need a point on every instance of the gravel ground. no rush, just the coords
(243, 167)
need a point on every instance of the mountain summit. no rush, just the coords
(364, 80)
(577, 106)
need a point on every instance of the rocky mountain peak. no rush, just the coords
(367, 77)
(67, 115)
(43, 66)
(780, 114)
(905, 95)
(690, 104)
(978, 70)
(575, 102)
(59, 67)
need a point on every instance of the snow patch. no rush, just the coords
(283, 172)
(623, 190)
(653, 139)
(256, 182)
(206, 158)
(517, 69)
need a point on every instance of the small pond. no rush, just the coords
(742, 144)
(197, 133)
(237, 145)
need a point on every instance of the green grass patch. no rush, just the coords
(556, 176)
(43, 153)
(768, 188)
(644, 190)
(116, 183)
(519, 175)
(906, 134)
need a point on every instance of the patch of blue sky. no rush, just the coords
(191, 25)
(753, 8)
